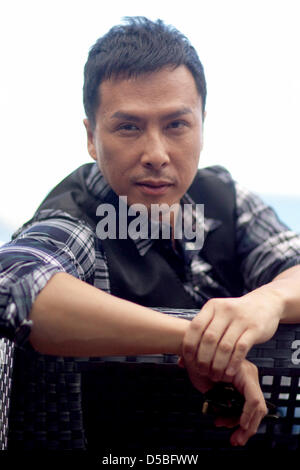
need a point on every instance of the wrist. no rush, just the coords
(179, 330)
(275, 296)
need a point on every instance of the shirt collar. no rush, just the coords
(100, 188)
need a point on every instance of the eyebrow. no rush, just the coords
(132, 117)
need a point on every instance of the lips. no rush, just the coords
(153, 187)
(155, 183)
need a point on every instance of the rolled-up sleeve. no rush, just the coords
(265, 245)
(42, 249)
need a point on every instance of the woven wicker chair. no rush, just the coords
(137, 402)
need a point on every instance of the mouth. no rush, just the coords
(155, 187)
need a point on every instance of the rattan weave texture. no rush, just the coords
(94, 403)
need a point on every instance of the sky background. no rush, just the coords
(250, 52)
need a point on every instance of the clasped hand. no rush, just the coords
(215, 347)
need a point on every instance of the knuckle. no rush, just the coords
(252, 369)
(196, 324)
(215, 304)
(210, 303)
(252, 405)
(259, 406)
(263, 410)
(188, 348)
(256, 403)
(209, 337)
(236, 361)
(227, 306)
(241, 347)
(225, 347)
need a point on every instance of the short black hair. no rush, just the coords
(136, 47)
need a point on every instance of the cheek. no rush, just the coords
(115, 172)
(113, 156)
(187, 166)
(106, 159)
(190, 161)
(193, 145)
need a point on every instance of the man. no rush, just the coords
(68, 292)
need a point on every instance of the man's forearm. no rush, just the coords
(72, 318)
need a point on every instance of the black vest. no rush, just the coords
(154, 279)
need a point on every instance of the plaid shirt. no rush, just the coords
(53, 241)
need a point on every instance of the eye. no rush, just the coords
(177, 125)
(127, 128)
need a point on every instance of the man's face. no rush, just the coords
(148, 135)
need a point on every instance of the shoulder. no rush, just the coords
(56, 229)
(216, 171)
(211, 185)
(245, 198)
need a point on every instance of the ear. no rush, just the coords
(90, 139)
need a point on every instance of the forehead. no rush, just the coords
(165, 89)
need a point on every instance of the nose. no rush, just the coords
(155, 154)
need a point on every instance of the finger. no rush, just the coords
(253, 400)
(241, 349)
(225, 350)
(194, 333)
(253, 411)
(241, 435)
(210, 341)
